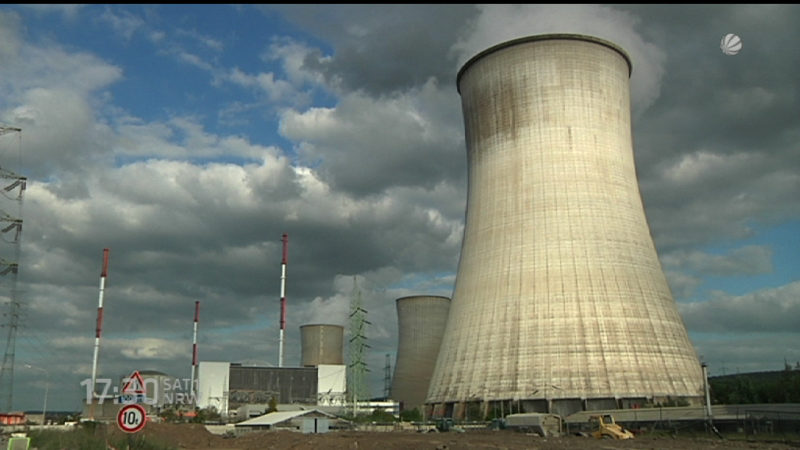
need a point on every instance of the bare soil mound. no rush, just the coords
(196, 437)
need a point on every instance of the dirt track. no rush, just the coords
(196, 437)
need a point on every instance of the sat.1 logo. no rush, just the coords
(731, 44)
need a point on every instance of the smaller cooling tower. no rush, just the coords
(321, 344)
(421, 321)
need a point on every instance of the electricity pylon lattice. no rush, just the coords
(387, 378)
(357, 388)
(12, 187)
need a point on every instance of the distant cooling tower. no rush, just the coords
(321, 344)
(560, 303)
(420, 326)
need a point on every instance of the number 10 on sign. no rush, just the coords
(131, 418)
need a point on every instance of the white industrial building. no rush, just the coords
(233, 388)
(323, 385)
(212, 386)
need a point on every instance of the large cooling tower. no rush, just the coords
(321, 344)
(420, 326)
(560, 303)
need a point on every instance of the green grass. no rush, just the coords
(92, 436)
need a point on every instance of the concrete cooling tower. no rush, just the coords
(321, 344)
(420, 325)
(560, 303)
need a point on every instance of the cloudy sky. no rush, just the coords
(188, 139)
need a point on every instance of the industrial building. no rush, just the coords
(321, 381)
(305, 421)
(420, 325)
(560, 303)
(250, 384)
(228, 386)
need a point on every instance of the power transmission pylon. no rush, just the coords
(13, 188)
(358, 368)
(387, 379)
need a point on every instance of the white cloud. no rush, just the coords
(206, 40)
(170, 197)
(705, 197)
(333, 310)
(744, 102)
(70, 12)
(769, 310)
(50, 94)
(58, 129)
(748, 260)
(10, 43)
(156, 36)
(682, 284)
(55, 68)
(182, 137)
(194, 60)
(696, 167)
(146, 348)
(122, 22)
(275, 90)
(293, 55)
(406, 139)
(754, 352)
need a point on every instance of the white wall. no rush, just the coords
(331, 384)
(212, 386)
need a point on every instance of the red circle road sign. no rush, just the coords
(131, 418)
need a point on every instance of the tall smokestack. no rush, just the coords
(560, 303)
(99, 328)
(194, 347)
(284, 259)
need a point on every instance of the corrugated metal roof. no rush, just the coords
(277, 417)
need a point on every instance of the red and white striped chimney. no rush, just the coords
(99, 328)
(194, 347)
(284, 261)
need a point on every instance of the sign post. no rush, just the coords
(131, 418)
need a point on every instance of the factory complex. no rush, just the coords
(560, 305)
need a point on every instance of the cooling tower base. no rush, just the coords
(482, 410)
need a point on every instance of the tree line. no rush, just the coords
(762, 387)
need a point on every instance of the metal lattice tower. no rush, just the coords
(387, 378)
(13, 188)
(357, 388)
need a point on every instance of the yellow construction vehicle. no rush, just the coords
(604, 427)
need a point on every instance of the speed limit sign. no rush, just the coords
(131, 418)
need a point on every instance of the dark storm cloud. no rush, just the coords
(382, 49)
(372, 181)
(719, 146)
(367, 145)
(730, 104)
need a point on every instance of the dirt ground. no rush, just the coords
(196, 437)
